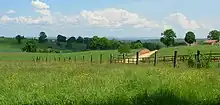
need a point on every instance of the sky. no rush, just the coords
(108, 18)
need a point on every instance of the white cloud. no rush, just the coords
(184, 22)
(11, 12)
(24, 20)
(112, 17)
(108, 18)
(39, 5)
(44, 12)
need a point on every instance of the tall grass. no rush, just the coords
(49, 83)
(184, 50)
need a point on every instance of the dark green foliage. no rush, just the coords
(78, 47)
(191, 60)
(71, 40)
(80, 39)
(42, 37)
(190, 37)
(103, 43)
(19, 38)
(138, 45)
(94, 42)
(180, 43)
(115, 44)
(205, 61)
(61, 38)
(153, 46)
(124, 48)
(87, 41)
(168, 37)
(214, 35)
(30, 46)
(49, 50)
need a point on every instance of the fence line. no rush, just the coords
(123, 59)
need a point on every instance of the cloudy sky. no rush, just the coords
(115, 18)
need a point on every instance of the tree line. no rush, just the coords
(169, 36)
(83, 43)
(79, 43)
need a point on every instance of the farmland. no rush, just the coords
(90, 84)
(23, 81)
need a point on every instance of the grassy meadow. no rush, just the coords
(184, 50)
(49, 83)
(24, 82)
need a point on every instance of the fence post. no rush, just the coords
(75, 58)
(198, 59)
(128, 60)
(175, 59)
(123, 58)
(100, 58)
(137, 58)
(110, 58)
(83, 58)
(155, 58)
(64, 59)
(69, 58)
(46, 59)
(91, 59)
(59, 59)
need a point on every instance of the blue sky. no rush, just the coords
(115, 18)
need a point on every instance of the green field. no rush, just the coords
(92, 84)
(24, 82)
(184, 50)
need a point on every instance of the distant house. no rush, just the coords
(211, 42)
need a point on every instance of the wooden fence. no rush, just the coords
(214, 57)
(126, 59)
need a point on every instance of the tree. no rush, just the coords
(124, 48)
(61, 38)
(71, 39)
(19, 38)
(87, 41)
(168, 37)
(94, 42)
(42, 37)
(30, 46)
(103, 43)
(115, 44)
(153, 46)
(138, 45)
(79, 40)
(190, 37)
(214, 35)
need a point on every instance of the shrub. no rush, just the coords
(153, 46)
(30, 46)
(205, 61)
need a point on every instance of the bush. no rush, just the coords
(30, 46)
(153, 46)
(205, 61)
(124, 48)
(48, 50)
(182, 43)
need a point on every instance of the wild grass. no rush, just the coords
(49, 83)
(184, 50)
